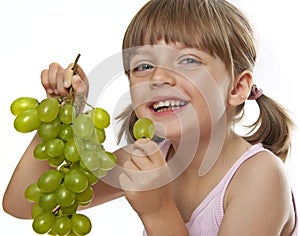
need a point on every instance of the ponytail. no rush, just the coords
(273, 127)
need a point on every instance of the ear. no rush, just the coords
(241, 88)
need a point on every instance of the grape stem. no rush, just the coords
(74, 68)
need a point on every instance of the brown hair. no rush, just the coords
(220, 29)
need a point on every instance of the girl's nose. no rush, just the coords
(162, 76)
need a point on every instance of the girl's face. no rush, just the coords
(181, 89)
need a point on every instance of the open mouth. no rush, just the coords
(168, 105)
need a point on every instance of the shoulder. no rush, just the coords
(263, 174)
(264, 169)
(260, 189)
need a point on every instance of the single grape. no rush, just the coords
(62, 225)
(83, 126)
(71, 150)
(56, 161)
(49, 180)
(33, 193)
(81, 224)
(66, 132)
(143, 128)
(49, 130)
(47, 201)
(85, 197)
(67, 113)
(55, 147)
(76, 181)
(40, 152)
(100, 117)
(64, 196)
(100, 135)
(107, 160)
(89, 160)
(92, 178)
(100, 173)
(27, 121)
(48, 109)
(22, 104)
(36, 211)
(43, 223)
(69, 210)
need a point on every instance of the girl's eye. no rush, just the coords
(143, 67)
(189, 60)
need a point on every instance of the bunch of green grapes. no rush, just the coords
(72, 144)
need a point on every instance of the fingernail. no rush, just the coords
(66, 84)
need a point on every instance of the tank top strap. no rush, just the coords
(253, 150)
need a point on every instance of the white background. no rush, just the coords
(35, 33)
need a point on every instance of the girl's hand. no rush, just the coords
(58, 81)
(146, 180)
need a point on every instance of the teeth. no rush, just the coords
(168, 105)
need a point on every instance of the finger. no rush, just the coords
(45, 82)
(141, 161)
(52, 76)
(82, 75)
(61, 90)
(130, 166)
(68, 75)
(78, 85)
(151, 149)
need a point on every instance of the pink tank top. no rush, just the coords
(207, 217)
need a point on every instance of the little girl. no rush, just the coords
(189, 64)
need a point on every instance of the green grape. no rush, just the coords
(56, 161)
(81, 224)
(100, 117)
(27, 121)
(100, 135)
(49, 130)
(43, 223)
(62, 225)
(48, 109)
(73, 145)
(101, 173)
(69, 210)
(47, 201)
(40, 152)
(90, 145)
(83, 126)
(49, 180)
(143, 128)
(36, 211)
(66, 132)
(67, 113)
(76, 181)
(55, 147)
(90, 160)
(64, 196)
(107, 160)
(85, 197)
(92, 178)
(33, 193)
(71, 150)
(22, 104)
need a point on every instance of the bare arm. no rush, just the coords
(27, 172)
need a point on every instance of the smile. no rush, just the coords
(168, 105)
